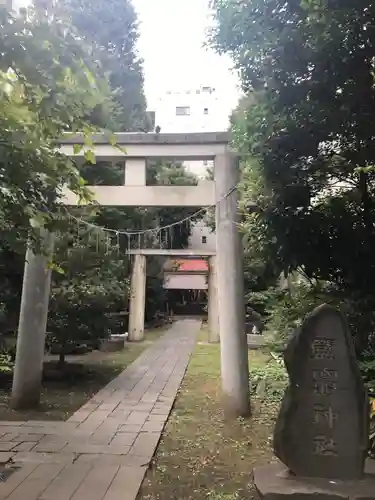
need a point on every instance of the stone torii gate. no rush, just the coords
(227, 291)
(138, 290)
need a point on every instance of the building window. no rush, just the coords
(182, 111)
(204, 240)
(205, 111)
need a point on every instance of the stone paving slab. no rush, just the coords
(102, 452)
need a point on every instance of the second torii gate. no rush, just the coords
(228, 302)
(138, 290)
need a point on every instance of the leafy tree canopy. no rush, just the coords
(46, 89)
(111, 30)
(49, 89)
(308, 67)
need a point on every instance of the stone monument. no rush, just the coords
(321, 434)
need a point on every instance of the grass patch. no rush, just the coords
(84, 377)
(202, 456)
(203, 335)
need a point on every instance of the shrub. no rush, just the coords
(360, 313)
(368, 373)
(269, 381)
(93, 284)
(286, 311)
(6, 363)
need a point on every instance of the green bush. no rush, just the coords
(6, 363)
(367, 368)
(360, 313)
(269, 381)
(286, 311)
(92, 285)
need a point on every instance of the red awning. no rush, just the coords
(191, 265)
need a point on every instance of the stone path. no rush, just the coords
(102, 452)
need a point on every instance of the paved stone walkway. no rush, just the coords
(102, 452)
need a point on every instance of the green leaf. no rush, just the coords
(90, 156)
(77, 148)
(54, 267)
(87, 137)
(90, 78)
(38, 220)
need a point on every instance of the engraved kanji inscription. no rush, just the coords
(325, 374)
(325, 415)
(322, 348)
(324, 388)
(324, 446)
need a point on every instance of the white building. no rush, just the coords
(191, 110)
(201, 238)
(201, 109)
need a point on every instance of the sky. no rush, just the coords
(172, 34)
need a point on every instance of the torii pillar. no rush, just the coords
(28, 368)
(137, 299)
(135, 175)
(229, 249)
(213, 302)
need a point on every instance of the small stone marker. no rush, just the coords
(321, 434)
(322, 429)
